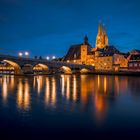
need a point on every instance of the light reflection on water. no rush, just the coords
(73, 88)
(92, 96)
(23, 94)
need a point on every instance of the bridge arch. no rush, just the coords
(16, 67)
(41, 68)
(65, 69)
(84, 70)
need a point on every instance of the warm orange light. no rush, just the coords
(39, 84)
(53, 91)
(68, 87)
(47, 91)
(66, 70)
(23, 95)
(4, 89)
(74, 88)
(20, 94)
(105, 84)
(63, 84)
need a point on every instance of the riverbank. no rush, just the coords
(121, 73)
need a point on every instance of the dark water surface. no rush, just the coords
(70, 106)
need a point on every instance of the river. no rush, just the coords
(69, 106)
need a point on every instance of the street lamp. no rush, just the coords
(20, 54)
(26, 54)
(53, 57)
(47, 57)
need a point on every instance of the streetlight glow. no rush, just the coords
(47, 57)
(26, 53)
(53, 57)
(20, 54)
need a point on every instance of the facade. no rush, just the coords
(80, 53)
(110, 62)
(104, 63)
(134, 62)
(120, 59)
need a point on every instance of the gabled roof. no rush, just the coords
(134, 57)
(135, 51)
(109, 51)
(74, 52)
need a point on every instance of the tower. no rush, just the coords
(86, 40)
(84, 49)
(101, 39)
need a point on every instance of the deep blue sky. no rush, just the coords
(49, 27)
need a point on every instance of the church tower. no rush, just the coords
(101, 39)
(84, 49)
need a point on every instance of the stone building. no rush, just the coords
(121, 59)
(80, 53)
(104, 63)
(109, 62)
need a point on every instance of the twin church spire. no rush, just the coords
(101, 28)
(101, 39)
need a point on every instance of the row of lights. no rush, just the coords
(21, 54)
(48, 58)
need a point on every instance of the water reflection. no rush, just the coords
(53, 102)
(100, 108)
(74, 88)
(63, 84)
(47, 91)
(7, 84)
(83, 91)
(23, 94)
(39, 80)
(4, 89)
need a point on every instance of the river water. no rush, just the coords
(69, 106)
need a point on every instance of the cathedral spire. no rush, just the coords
(99, 27)
(101, 39)
(104, 29)
(85, 40)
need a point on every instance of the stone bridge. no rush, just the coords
(35, 66)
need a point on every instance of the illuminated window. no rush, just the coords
(135, 65)
(130, 65)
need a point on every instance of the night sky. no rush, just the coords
(49, 27)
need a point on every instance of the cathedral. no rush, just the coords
(103, 56)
